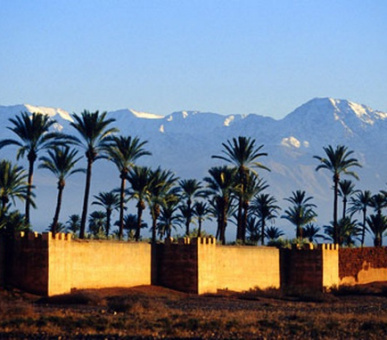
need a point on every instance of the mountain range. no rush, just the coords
(184, 142)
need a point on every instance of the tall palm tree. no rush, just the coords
(378, 225)
(60, 161)
(243, 154)
(93, 129)
(139, 179)
(346, 189)
(338, 161)
(110, 201)
(160, 188)
(34, 136)
(301, 212)
(124, 151)
(360, 203)
(265, 208)
(190, 189)
(220, 186)
(13, 184)
(201, 211)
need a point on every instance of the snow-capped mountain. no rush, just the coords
(184, 142)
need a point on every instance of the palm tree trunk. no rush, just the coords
(200, 227)
(344, 207)
(29, 189)
(57, 210)
(86, 199)
(244, 221)
(335, 194)
(122, 200)
(188, 220)
(364, 226)
(239, 218)
(139, 217)
(263, 232)
(108, 218)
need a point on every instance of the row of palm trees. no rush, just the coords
(231, 192)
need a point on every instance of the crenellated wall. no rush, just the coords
(310, 268)
(48, 265)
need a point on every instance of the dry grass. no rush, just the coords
(154, 312)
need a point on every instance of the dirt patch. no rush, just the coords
(151, 312)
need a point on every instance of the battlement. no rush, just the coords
(328, 246)
(204, 240)
(57, 237)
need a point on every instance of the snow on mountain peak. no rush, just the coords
(52, 112)
(291, 142)
(145, 115)
(228, 120)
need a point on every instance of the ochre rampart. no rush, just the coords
(49, 265)
(362, 265)
(310, 268)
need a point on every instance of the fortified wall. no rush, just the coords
(48, 265)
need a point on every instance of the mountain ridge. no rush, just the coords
(184, 142)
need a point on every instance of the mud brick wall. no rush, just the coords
(176, 266)
(302, 268)
(241, 268)
(29, 263)
(2, 261)
(362, 265)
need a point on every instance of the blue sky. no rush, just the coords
(264, 57)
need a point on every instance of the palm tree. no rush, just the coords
(130, 224)
(311, 232)
(94, 130)
(273, 233)
(190, 189)
(346, 189)
(301, 212)
(253, 227)
(378, 225)
(34, 136)
(243, 153)
(140, 179)
(220, 186)
(265, 208)
(169, 218)
(349, 232)
(160, 189)
(97, 223)
(110, 201)
(361, 202)
(124, 152)
(60, 161)
(254, 186)
(73, 224)
(201, 211)
(338, 161)
(13, 184)
(378, 202)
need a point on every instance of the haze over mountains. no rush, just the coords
(184, 142)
